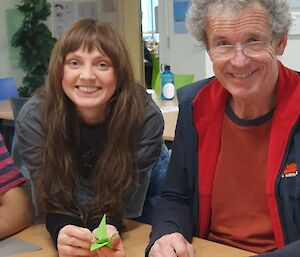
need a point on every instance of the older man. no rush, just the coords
(15, 208)
(234, 171)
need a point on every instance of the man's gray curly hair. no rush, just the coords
(278, 11)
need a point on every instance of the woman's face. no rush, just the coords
(89, 81)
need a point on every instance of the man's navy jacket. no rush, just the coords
(185, 204)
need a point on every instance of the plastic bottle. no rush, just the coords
(167, 84)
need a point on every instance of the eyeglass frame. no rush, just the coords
(241, 46)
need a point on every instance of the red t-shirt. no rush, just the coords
(240, 215)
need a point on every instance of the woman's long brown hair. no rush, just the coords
(114, 169)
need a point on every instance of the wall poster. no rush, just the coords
(179, 10)
(65, 13)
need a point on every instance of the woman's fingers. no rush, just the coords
(74, 241)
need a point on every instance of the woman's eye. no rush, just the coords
(103, 65)
(73, 63)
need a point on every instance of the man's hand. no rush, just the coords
(117, 249)
(172, 245)
(74, 241)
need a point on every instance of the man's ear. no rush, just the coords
(281, 44)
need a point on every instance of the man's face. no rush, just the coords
(246, 75)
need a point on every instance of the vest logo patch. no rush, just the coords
(290, 170)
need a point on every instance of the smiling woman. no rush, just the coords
(94, 136)
(89, 81)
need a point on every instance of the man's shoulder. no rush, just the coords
(187, 93)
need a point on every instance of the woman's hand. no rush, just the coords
(74, 241)
(117, 249)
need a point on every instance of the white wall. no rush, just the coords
(291, 56)
(179, 50)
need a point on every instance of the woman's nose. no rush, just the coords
(87, 73)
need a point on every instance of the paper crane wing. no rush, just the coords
(101, 236)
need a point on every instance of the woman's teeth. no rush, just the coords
(88, 89)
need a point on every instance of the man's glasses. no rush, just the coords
(250, 49)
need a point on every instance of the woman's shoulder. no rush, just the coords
(151, 108)
(152, 114)
(31, 110)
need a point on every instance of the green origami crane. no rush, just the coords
(101, 236)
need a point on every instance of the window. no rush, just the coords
(149, 20)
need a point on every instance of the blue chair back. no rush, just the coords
(8, 88)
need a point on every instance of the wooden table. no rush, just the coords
(5, 110)
(170, 118)
(135, 242)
